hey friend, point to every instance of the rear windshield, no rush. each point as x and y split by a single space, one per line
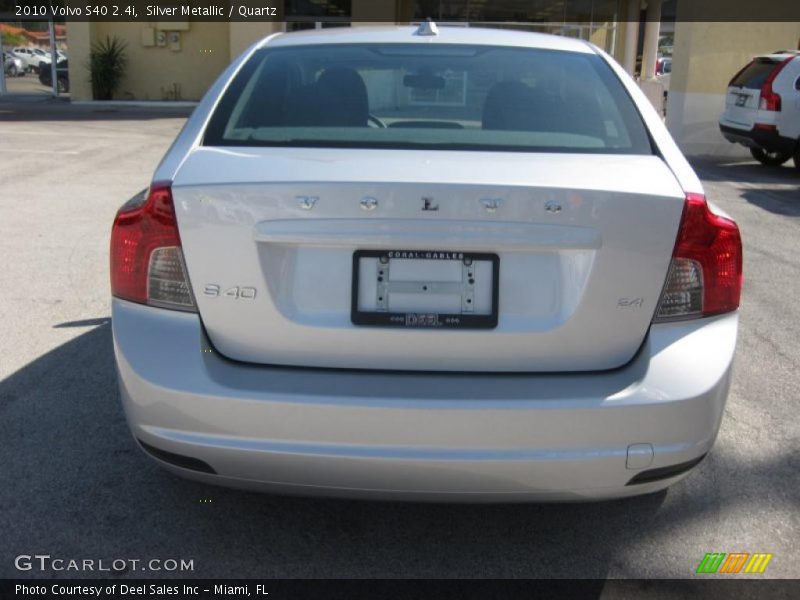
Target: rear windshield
448 97
753 75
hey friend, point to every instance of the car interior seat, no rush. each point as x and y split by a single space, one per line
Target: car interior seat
515 106
338 98
272 94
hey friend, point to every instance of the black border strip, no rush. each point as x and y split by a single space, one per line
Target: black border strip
398 320
698 586
498 11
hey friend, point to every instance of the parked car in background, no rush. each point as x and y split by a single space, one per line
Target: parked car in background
42 56
466 264
62 74
762 108
28 57
32 57
663 71
13 66
663 75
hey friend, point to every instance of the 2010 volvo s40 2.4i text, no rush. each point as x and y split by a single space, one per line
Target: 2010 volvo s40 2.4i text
460 264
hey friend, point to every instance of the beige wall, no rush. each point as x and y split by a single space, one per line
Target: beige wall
204 53
706 56
243 35
185 74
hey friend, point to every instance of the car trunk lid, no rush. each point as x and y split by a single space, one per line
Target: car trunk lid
583 244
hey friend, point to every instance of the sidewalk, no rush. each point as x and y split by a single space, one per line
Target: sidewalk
40 107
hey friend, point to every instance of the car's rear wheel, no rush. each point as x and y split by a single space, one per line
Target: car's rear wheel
771 159
12 71
796 159
63 85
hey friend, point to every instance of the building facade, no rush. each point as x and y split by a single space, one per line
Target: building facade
173 61
180 60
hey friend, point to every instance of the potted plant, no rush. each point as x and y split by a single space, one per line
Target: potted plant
107 64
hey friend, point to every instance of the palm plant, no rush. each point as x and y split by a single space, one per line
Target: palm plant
107 64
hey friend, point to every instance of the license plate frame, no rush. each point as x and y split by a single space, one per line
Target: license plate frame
434 320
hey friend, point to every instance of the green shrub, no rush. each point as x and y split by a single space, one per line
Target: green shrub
13 39
107 64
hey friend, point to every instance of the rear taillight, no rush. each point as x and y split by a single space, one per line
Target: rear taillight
705 276
769 99
147 263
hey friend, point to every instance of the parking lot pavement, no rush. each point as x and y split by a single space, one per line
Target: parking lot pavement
28 84
75 486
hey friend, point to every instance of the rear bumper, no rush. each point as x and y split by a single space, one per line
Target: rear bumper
769 140
422 436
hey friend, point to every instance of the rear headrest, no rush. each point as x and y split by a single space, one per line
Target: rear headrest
344 94
510 105
272 89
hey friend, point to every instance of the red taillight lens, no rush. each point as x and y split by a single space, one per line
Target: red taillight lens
146 257
705 276
769 99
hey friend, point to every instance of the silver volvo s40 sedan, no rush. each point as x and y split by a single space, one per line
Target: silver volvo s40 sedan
425 263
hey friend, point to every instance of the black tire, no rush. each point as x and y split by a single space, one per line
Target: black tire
62 85
770 159
796 159
12 71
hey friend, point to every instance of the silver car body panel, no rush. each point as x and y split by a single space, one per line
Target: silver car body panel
578 288
434 436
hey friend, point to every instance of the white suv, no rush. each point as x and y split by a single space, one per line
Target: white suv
27 56
32 57
762 109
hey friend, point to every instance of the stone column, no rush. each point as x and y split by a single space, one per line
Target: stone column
651 31
631 37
